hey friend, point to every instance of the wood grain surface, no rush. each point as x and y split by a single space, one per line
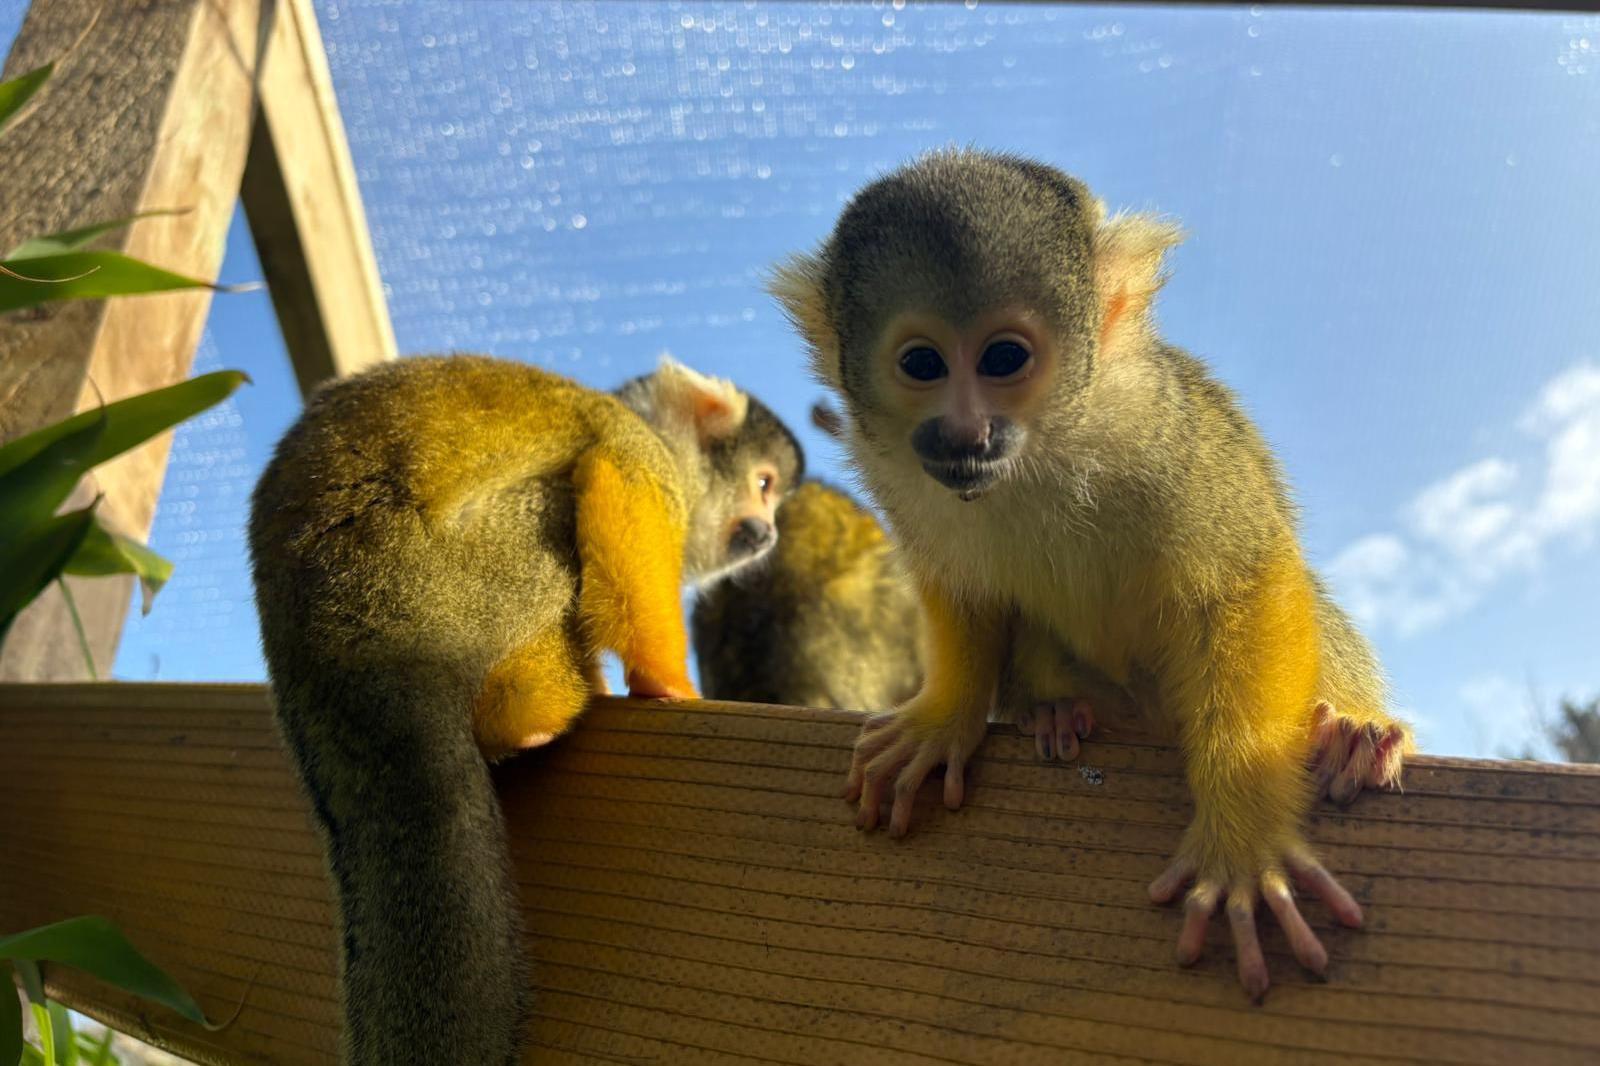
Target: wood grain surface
695 893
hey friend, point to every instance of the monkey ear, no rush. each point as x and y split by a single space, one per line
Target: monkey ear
713 406
825 418
1129 250
797 283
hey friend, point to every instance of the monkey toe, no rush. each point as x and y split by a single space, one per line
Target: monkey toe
1349 756
1056 726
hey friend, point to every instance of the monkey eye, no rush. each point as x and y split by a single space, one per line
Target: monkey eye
922 364
1002 359
766 482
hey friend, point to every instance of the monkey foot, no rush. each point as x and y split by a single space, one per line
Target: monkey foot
535 740
1348 756
1057 726
1242 896
644 685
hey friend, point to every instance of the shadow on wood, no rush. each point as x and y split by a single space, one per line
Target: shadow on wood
695 893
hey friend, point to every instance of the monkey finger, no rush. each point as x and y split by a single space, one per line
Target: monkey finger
870 803
876 773
1172 879
955 781
1052 725
1197 912
1246 944
1310 875
871 743
1320 723
906 784
1066 731
1083 719
875 723
1345 786
1302 941
1383 769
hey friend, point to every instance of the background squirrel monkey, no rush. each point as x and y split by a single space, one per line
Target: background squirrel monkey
442 548
829 619
1046 460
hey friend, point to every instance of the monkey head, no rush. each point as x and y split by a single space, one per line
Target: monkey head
739 459
960 309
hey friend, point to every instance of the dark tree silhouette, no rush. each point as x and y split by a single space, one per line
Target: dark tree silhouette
1576 731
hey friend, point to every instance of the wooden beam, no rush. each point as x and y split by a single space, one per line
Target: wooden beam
305 211
151 111
695 892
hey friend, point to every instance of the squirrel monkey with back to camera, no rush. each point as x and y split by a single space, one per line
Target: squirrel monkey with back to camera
1054 470
829 619
442 548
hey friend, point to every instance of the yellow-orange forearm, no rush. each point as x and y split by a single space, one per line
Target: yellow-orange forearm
965 653
1247 701
630 544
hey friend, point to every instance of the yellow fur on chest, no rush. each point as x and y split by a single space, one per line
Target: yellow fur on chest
1124 613
1095 604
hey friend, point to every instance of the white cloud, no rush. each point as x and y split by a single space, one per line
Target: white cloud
1502 716
1486 521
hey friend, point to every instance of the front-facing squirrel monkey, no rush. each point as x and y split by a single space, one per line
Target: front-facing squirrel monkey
1055 471
442 549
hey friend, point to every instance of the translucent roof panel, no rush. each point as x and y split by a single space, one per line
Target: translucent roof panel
1392 257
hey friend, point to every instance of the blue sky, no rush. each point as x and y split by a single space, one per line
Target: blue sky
1393 257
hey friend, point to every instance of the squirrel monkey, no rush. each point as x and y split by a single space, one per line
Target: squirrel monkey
1047 460
442 548
829 619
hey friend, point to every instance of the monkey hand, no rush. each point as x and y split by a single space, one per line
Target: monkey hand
899 749
1263 875
1348 755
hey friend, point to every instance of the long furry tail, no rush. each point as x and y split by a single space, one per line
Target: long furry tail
431 959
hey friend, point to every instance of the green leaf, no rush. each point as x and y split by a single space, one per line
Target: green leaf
104 552
31 561
31 491
66 1042
15 93
73 239
129 422
100 1050
47 1035
31 1056
10 1018
94 945
33 984
89 276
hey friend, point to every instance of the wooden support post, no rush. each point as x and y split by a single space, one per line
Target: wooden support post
152 110
158 108
305 211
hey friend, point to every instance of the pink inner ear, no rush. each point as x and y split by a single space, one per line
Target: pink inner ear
714 415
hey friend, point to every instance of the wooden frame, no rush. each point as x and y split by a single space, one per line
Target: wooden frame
694 890
695 893
157 108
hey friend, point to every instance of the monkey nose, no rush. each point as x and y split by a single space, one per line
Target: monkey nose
753 536
967 437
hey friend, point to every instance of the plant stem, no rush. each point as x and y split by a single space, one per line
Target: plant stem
77 623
